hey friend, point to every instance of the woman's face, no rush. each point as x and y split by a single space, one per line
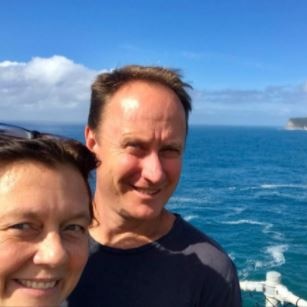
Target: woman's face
44 215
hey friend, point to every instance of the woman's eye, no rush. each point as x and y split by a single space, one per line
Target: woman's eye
76 228
21 226
24 230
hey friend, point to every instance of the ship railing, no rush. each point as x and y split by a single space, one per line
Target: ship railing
275 293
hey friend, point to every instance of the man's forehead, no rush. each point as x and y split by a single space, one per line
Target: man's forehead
135 87
132 105
129 104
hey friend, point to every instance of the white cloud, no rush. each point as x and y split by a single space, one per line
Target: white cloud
52 88
57 89
271 106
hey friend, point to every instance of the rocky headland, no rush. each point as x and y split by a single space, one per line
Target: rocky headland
297 123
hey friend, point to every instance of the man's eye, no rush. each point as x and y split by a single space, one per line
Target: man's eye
171 152
134 145
135 148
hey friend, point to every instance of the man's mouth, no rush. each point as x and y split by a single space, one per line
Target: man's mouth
148 191
37 284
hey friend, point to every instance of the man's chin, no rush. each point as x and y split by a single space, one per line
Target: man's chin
143 213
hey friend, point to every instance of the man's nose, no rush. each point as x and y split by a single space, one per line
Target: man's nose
51 251
153 168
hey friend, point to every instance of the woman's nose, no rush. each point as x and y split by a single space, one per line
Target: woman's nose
51 251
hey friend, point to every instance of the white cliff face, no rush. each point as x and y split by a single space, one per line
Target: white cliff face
299 123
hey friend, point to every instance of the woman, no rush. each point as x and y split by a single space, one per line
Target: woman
45 210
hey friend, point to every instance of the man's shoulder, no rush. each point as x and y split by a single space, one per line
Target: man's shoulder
189 234
189 240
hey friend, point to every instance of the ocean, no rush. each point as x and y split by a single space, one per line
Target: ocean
247 188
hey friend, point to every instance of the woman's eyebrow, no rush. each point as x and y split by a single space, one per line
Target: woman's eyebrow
36 215
80 216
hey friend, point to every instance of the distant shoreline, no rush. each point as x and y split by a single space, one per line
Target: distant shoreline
80 123
297 123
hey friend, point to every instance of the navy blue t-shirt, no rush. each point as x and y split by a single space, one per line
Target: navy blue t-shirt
184 268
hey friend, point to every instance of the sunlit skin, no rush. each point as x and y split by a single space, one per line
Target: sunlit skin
140 143
44 216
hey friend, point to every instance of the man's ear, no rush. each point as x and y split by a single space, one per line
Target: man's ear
90 139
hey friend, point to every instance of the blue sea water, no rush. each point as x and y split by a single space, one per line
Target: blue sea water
247 188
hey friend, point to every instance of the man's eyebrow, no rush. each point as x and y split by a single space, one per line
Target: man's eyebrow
133 139
175 144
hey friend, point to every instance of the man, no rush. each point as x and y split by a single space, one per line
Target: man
143 255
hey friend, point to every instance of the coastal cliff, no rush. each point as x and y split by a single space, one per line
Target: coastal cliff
298 123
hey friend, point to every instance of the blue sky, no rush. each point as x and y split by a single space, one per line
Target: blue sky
246 60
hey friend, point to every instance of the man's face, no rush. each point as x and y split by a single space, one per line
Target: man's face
140 144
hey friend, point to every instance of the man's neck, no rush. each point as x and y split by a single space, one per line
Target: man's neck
113 230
